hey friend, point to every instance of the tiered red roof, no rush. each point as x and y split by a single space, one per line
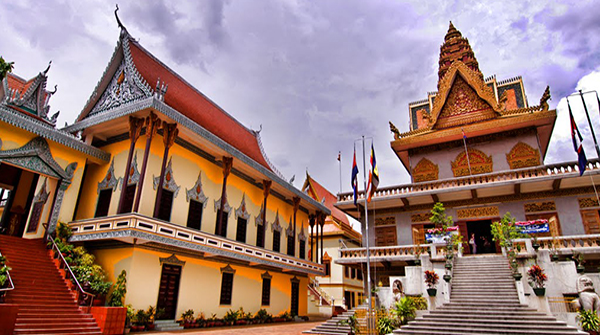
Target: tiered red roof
192 103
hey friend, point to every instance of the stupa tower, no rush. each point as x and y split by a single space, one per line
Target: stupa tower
455 48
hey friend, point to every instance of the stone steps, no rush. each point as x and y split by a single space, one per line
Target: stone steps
484 301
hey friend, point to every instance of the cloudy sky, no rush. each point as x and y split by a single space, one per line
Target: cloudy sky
317 75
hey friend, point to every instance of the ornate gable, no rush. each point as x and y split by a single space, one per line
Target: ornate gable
425 170
196 192
109 181
522 155
169 181
242 211
477 163
463 98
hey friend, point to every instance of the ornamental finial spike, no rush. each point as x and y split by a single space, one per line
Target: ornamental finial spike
48 68
119 21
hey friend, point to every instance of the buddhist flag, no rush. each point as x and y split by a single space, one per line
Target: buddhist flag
373 175
577 145
354 179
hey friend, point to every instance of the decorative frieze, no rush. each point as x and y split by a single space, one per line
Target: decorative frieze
546 206
172 260
169 181
276 226
110 180
477 163
522 155
425 170
196 192
387 221
242 211
480 212
420 217
588 202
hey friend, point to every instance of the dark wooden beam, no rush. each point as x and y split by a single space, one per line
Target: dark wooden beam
474 193
556 184
435 198
517 189
405 201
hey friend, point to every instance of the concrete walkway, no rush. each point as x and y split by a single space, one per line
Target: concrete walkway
286 328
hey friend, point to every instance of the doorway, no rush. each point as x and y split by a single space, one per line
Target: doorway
17 188
481 230
295 298
169 291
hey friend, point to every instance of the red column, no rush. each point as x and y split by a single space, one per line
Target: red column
152 125
227 165
296 201
170 133
135 127
266 190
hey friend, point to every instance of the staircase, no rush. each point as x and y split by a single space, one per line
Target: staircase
484 300
46 305
333 326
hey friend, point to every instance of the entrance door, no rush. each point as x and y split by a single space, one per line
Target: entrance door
295 296
17 187
169 290
482 233
348 299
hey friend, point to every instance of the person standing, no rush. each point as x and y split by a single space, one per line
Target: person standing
473 244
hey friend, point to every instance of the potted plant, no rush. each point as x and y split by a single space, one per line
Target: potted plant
418 251
188 318
579 259
352 322
431 280
447 278
263 316
589 321
128 319
3 276
537 277
231 317
404 310
150 314
535 244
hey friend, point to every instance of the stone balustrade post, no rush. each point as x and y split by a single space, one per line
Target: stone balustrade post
521 292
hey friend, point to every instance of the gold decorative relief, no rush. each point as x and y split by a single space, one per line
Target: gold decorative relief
462 104
491 211
420 217
587 202
478 163
522 155
425 170
546 206
390 220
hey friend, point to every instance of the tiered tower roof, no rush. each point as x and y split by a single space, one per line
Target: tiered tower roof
455 48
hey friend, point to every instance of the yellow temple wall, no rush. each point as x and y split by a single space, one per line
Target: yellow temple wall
186 167
200 283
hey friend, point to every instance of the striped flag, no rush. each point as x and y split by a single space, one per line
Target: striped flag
577 145
373 175
354 178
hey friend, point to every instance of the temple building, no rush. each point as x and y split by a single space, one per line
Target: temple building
156 179
342 286
477 146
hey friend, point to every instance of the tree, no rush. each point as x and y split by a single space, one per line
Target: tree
5 67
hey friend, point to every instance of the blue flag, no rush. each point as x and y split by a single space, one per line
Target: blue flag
354 179
577 145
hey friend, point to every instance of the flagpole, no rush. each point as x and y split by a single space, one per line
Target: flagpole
340 164
367 240
466 151
590 123
594 185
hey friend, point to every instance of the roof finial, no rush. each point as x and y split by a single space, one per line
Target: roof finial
119 21
452 32
48 68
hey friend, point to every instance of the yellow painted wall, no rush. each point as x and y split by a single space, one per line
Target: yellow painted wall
200 283
186 167
45 217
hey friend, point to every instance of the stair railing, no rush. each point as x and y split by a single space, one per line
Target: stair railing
314 284
83 298
10 287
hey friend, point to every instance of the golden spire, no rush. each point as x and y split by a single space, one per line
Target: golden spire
456 48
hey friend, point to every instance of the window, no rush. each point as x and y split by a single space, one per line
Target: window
346 271
128 201
165 205
302 251
353 273
385 236
240 234
224 217
290 245
276 241
103 202
327 264
36 214
591 221
260 236
359 275
266 292
194 219
226 288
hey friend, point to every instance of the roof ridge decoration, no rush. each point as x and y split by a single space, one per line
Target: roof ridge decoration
456 48
276 226
264 154
308 186
196 193
126 83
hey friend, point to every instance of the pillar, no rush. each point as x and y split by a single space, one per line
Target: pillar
266 190
170 133
135 128
296 201
152 125
227 164
322 223
311 222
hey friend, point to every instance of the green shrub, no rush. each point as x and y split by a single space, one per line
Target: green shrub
404 310
115 299
589 320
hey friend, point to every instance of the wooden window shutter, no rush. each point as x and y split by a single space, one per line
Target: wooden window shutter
591 221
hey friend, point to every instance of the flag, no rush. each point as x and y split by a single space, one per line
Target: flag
373 175
354 179
464 135
339 156
577 145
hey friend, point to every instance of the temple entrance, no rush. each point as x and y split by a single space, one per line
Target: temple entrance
295 297
17 188
169 291
481 231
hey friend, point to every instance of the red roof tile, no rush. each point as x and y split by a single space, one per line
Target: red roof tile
190 102
330 200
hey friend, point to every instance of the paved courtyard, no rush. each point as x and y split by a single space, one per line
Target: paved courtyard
292 328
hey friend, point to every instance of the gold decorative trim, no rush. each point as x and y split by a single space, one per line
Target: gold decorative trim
523 155
228 269
387 221
420 217
491 211
588 202
425 170
171 260
478 163
546 206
